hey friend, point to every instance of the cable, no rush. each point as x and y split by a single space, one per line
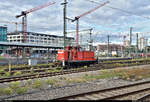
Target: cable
119 9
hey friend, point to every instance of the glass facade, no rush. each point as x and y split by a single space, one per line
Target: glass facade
3 34
3 37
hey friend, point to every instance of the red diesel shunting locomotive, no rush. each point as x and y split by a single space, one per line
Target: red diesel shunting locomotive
75 57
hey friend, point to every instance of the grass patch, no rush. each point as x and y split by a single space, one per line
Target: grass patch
37 84
107 74
7 74
69 80
6 91
2 57
76 80
51 81
56 70
28 83
79 80
21 90
133 73
14 85
104 74
127 74
59 68
49 70
85 67
2 70
18 73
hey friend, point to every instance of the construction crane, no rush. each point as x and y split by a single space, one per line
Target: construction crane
24 18
78 17
16 23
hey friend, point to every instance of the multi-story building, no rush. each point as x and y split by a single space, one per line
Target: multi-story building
142 43
38 38
3 37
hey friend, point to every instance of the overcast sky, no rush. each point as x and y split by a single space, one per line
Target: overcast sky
105 19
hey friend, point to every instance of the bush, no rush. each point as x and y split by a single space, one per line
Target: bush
48 71
69 80
2 70
37 75
15 85
7 74
139 78
17 73
59 68
51 81
57 85
21 90
37 84
29 82
62 78
56 70
7 91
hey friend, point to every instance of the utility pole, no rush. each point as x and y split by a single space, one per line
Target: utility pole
108 46
146 48
65 26
64 23
81 39
131 35
130 41
137 48
91 39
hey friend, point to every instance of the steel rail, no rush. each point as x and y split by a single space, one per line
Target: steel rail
103 91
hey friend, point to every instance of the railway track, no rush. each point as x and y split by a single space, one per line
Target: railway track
145 98
126 92
46 67
42 68
41 75
69 71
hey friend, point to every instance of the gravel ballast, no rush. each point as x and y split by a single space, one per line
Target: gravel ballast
72 89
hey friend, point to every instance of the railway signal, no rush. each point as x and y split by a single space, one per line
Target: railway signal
24 18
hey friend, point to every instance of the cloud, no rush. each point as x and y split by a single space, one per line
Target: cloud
50 19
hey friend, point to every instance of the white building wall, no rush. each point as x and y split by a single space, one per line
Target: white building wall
39 39
142 43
